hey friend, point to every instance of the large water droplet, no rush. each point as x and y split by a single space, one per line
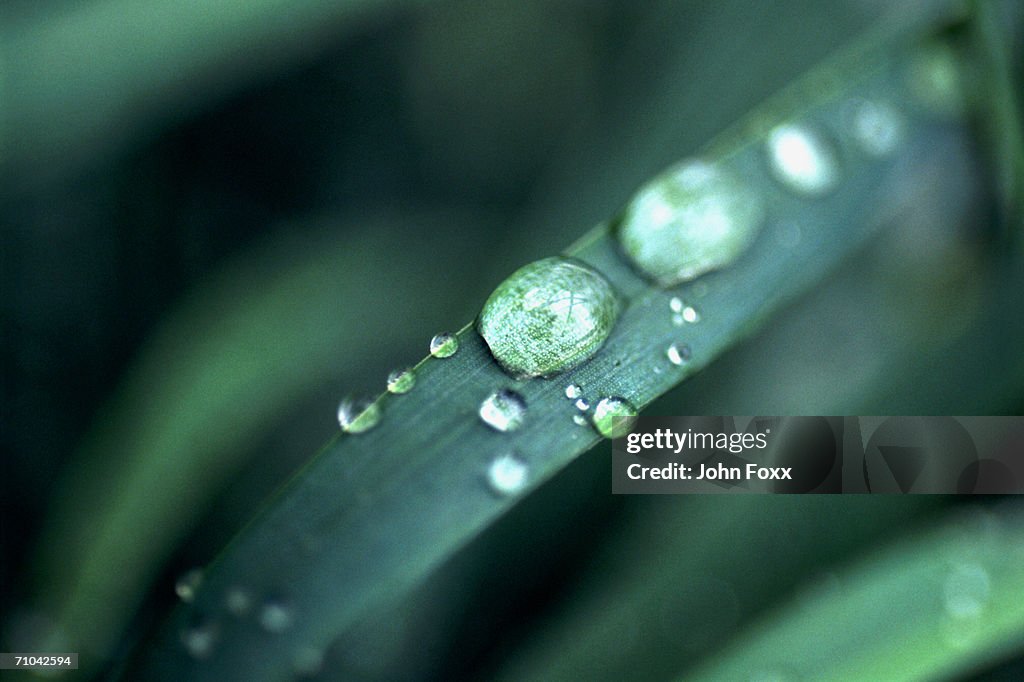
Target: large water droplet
276 616
693 218
548 316
507 474
188 584
200 639
877 128
504 410
678 354
614 417
802 160
966 590
356 415
401 380
444 345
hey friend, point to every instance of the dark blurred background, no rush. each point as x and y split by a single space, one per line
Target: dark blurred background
220 217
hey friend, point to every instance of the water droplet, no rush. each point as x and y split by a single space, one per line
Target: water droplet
188 584
877 127
444 345
966 590
579 419
401 380
802 160
582 404
200 639
507 474
682 313
614 417
678 354
504 410
573 391
308 661
693 218
238 601
548 316
276 616
356 415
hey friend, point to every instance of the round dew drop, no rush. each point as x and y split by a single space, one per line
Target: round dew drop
691 219
678 354
503 410
444 345
802 160
356 415
200 639
614 417
507 475
548 317
573 391
401 380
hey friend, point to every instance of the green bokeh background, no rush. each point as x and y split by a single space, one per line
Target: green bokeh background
219 218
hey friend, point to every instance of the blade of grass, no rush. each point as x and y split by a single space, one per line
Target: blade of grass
374 513
184 414
928 608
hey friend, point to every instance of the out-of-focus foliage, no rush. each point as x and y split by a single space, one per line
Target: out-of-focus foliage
219 217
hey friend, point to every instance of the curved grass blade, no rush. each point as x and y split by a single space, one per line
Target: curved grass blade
185 413
374 513
938 604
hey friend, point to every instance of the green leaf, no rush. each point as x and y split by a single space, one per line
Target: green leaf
377 512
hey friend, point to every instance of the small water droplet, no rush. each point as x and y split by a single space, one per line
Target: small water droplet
507 474
401 380
691 315
678 354
238 601
676 304
693 218
548 317
308 661
614 417
966 590
504 410
199 640
802 160
444 345
579 419
582 404
188 584
877 127
276 616
356 415
573 391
